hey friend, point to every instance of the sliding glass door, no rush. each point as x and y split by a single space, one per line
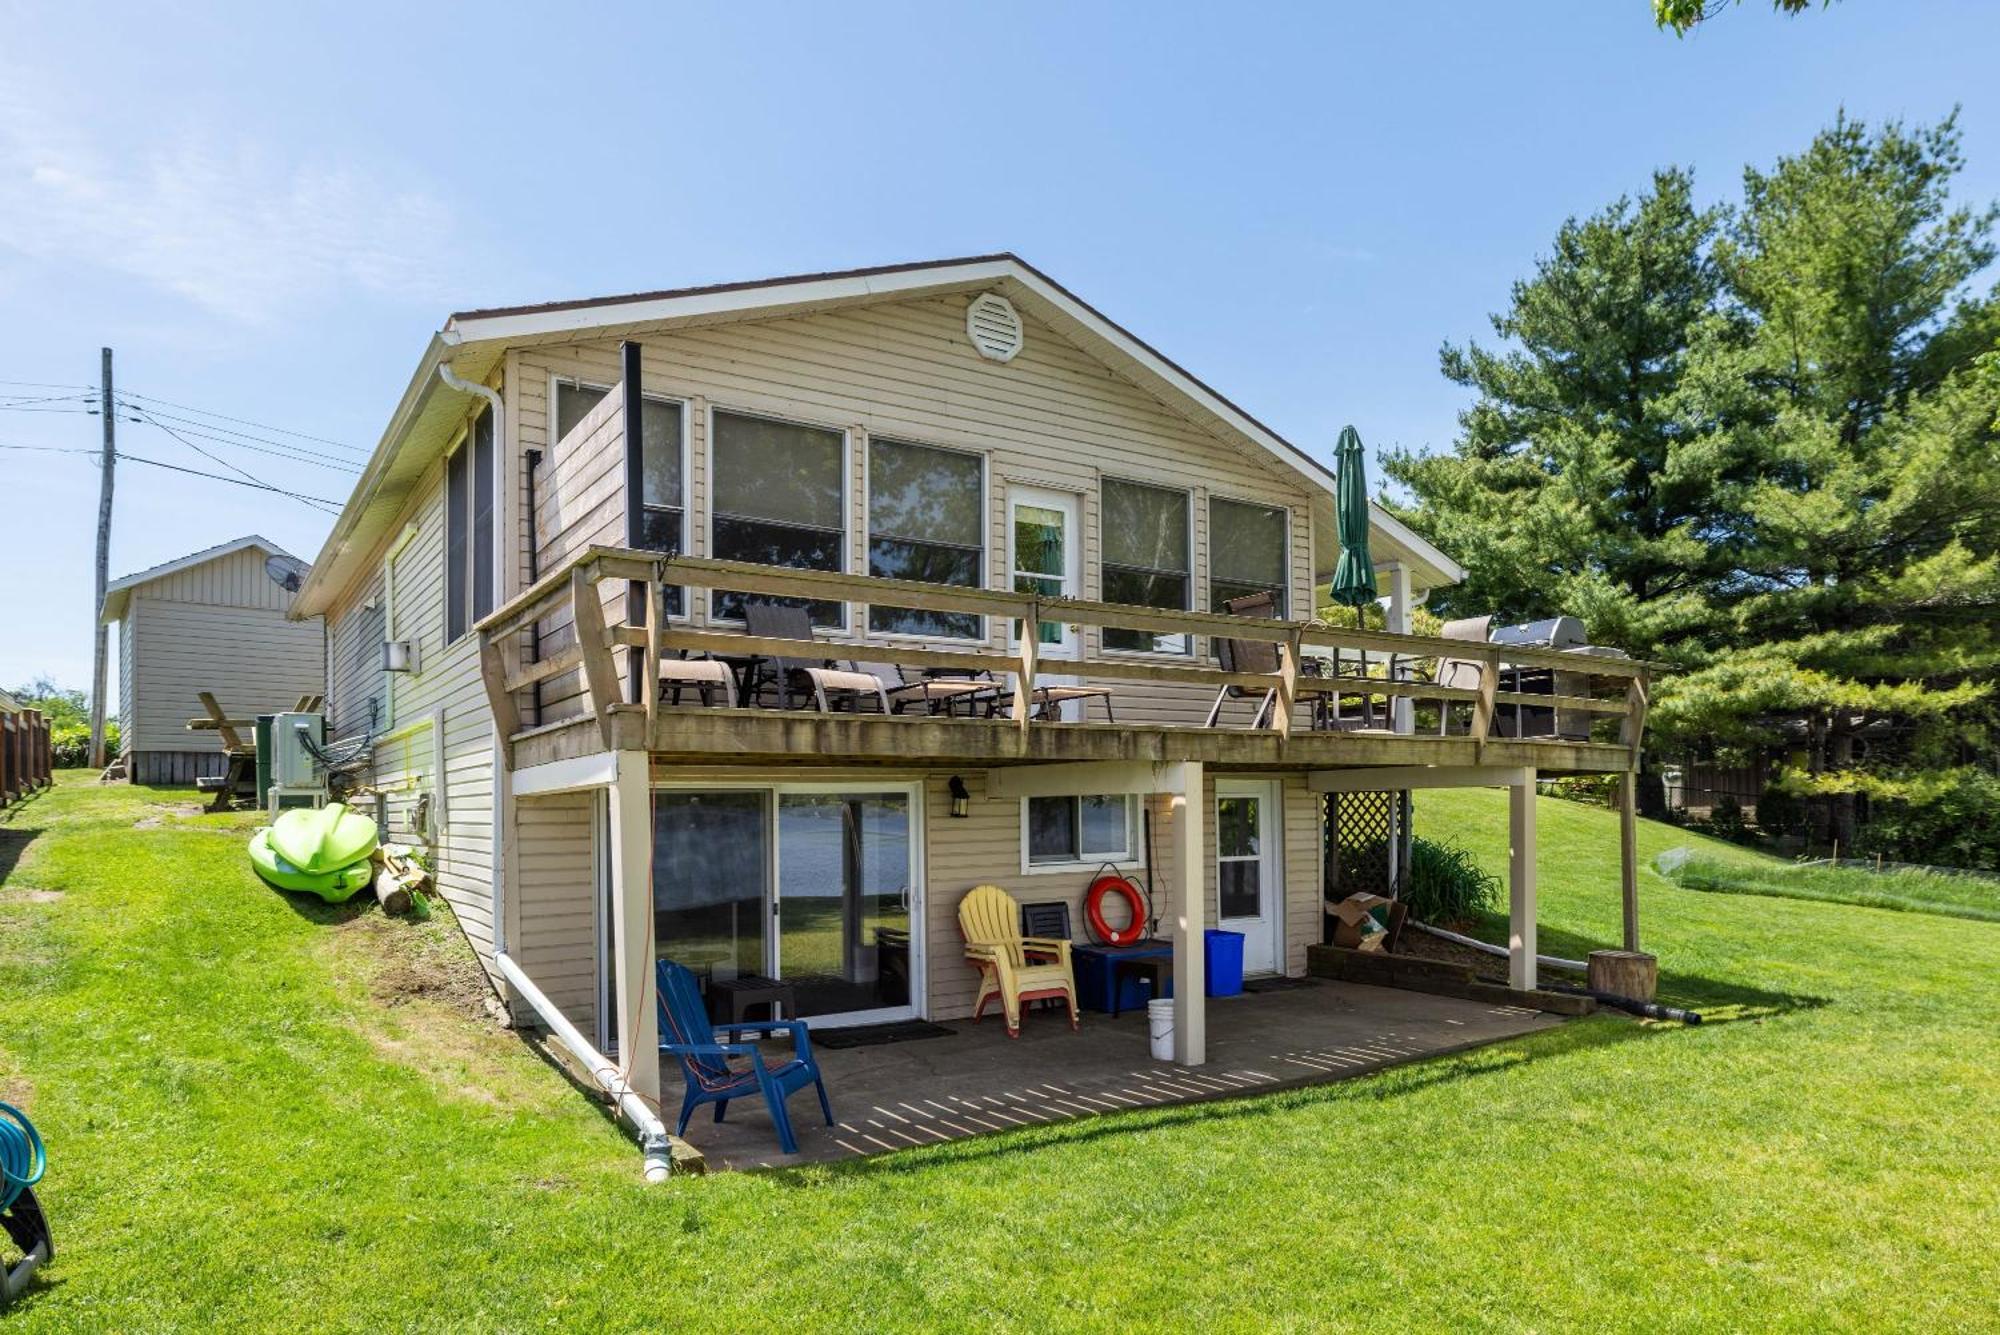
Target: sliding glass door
813 884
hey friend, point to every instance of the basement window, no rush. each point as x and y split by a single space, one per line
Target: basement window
1069 832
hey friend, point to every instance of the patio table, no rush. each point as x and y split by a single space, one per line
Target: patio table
1102 972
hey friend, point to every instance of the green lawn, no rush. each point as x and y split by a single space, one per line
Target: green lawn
1915 891
246 1134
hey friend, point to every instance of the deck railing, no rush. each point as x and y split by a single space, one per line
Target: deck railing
509 668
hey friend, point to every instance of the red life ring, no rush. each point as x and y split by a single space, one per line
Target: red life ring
1093 909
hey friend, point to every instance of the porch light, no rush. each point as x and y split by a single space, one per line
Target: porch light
961 800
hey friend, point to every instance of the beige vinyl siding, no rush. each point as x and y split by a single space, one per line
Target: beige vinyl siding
554 918
440 709
128 633
357 690
579 501
252 658
235 580
1053 418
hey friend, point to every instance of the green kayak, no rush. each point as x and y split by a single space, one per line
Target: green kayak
323 839
282 872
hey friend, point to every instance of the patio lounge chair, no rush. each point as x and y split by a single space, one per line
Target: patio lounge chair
939 692
1259 656
704 1054
821 680
1012 967
706 675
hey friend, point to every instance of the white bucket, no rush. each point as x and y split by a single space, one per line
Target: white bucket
1160 1023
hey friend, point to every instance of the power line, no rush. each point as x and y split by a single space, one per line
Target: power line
46 384
275 449
319 501
52 449
222 435
244 421
246 474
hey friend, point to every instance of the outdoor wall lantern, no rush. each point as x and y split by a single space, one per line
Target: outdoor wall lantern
961 801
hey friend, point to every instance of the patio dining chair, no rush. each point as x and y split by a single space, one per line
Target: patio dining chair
1459 673
818 680
704 675
1257 656
705 1052
1012 967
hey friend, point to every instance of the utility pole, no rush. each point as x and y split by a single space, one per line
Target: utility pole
110 462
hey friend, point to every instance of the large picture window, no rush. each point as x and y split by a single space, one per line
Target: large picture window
663 467
1246 545
1078 831
468 529
924 522
1146 559
778 498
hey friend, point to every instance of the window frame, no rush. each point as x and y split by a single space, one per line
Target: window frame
1186 650
864 622
1126 860
1208 572
467 440
846 502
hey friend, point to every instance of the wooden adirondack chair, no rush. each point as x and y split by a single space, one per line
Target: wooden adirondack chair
1012 967
704 1055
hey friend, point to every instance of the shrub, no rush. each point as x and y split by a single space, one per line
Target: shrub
1596 790
1780 812
1446 885
1948 818
1725 821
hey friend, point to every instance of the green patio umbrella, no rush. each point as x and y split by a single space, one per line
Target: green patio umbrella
1354 578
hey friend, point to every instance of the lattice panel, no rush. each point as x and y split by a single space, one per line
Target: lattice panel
1367 842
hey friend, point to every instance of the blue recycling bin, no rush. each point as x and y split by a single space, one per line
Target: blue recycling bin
1224 953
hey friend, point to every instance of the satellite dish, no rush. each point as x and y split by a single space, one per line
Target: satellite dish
284 572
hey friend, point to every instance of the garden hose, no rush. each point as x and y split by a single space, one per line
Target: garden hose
22 1157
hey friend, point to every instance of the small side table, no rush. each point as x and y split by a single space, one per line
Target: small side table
1157 970
730 999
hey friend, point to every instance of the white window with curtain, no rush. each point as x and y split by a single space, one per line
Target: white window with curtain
777 497
1147 559
1248 550
926 510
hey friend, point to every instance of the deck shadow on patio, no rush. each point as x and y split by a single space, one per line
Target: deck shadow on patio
978 1082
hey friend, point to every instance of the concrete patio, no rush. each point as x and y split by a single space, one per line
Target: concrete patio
977 1081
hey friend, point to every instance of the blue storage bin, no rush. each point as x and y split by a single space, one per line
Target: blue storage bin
1096 978
1224 951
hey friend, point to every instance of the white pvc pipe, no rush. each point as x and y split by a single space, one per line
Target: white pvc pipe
1553 961
653 1138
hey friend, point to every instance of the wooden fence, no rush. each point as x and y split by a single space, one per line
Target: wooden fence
27 759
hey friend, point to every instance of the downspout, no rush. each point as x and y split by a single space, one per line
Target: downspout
653 1138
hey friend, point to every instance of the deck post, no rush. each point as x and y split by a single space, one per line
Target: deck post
1628 853
1521 880
631 857
1402 709
1190 938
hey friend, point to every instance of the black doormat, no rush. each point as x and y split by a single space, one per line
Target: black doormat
1277 984
871 1035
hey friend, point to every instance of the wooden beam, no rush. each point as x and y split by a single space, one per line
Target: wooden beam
1024 672
1283 703
493 676
563 660
1634 729
1082 778
656 629
1396 778
1521 882
1482 706
599 675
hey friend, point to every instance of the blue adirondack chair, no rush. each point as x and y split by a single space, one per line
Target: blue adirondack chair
704 1053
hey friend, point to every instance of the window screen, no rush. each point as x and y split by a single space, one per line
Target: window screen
1146 558
778 499
924 524
1246 552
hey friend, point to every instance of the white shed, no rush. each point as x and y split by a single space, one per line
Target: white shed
216 620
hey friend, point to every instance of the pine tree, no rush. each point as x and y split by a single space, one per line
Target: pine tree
1761 445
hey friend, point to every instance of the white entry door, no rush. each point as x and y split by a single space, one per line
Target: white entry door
1249 874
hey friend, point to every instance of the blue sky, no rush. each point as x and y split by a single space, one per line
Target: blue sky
266 212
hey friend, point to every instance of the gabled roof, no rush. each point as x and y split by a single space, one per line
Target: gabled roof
473 341
119 591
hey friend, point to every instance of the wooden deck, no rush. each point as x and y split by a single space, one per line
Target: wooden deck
567 608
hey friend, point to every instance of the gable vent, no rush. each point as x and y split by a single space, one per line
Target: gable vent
994 327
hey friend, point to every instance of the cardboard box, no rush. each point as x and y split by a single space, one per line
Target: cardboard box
1354 926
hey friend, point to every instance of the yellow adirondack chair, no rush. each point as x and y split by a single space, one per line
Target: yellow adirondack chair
1012 967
